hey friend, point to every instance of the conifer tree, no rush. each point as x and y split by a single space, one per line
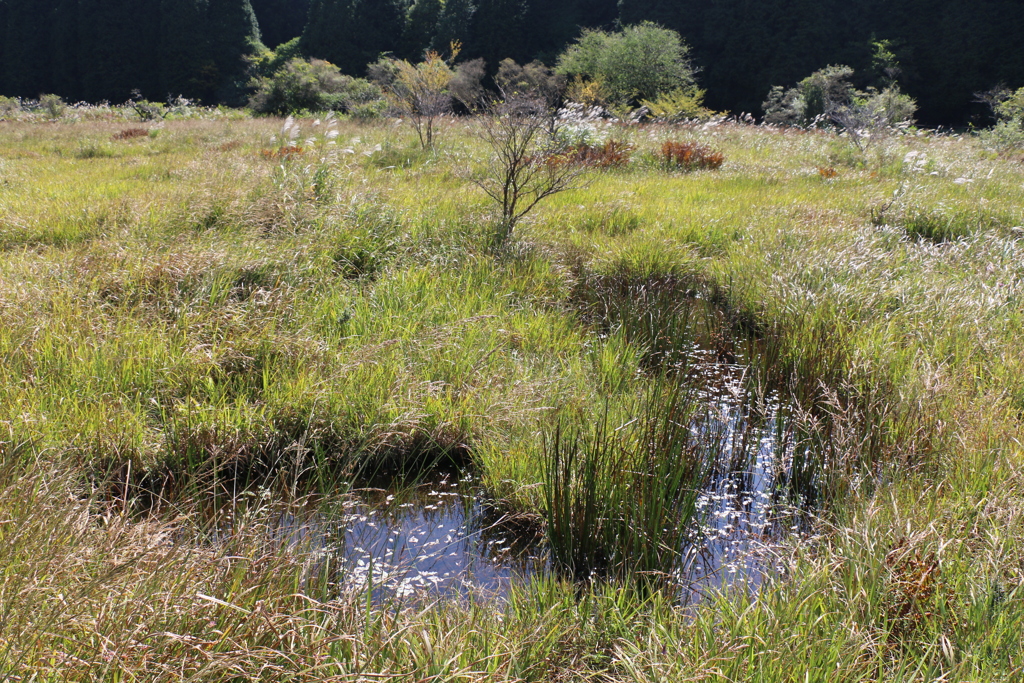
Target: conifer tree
280 20
353 33
3 47
117 48
233 33
499 31
420 27
186 68
26 47
65 70
454 24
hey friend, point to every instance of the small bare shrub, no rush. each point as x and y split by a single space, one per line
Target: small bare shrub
522 170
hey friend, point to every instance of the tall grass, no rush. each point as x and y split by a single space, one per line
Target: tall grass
180 307
620 499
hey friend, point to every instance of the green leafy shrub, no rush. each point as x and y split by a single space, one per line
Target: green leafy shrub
641 62
53 105
679 105
828 97
1008 133
9 106
313 86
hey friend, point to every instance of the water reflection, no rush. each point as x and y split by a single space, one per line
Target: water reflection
444 536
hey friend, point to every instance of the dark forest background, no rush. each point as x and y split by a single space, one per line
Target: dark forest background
97 50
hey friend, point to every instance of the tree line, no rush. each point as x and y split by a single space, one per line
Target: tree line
105 49
97 50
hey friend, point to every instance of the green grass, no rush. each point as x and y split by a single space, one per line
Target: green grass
180 308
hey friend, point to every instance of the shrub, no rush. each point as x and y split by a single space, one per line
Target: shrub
828 98
641 62
53 105
809 101
690 156
129 133
422 92
314 86
588 92
9 106
533 80
144 109
1008 108
610 154
426 91
520 173
679 105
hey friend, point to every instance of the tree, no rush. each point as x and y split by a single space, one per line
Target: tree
499 31
524 168
353 33
185 65
118 49
639 62
66 72
26 47
423 92
233 34
454 24
280 20
420 27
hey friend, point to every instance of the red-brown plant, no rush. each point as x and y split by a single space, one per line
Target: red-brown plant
690 156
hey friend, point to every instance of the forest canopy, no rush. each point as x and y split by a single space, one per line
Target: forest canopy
104 50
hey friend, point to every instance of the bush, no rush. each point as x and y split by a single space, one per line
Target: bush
679 105
315 86
426 91
690 156
1008 133
9 106
53 105
828 97
610 154
641 62
808 102
533 80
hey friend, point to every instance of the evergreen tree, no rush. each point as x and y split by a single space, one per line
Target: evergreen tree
454 24
499 32
66 72
353 33
233 33
26 47
3 48
186 67
280 20
420 27
117 49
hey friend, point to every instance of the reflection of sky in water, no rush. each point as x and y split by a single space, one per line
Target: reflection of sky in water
742 521
439 538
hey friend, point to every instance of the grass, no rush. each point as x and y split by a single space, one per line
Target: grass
180 312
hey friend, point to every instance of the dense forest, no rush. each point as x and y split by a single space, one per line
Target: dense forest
106 49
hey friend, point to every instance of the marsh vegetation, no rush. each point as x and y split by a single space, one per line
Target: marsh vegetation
225 338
